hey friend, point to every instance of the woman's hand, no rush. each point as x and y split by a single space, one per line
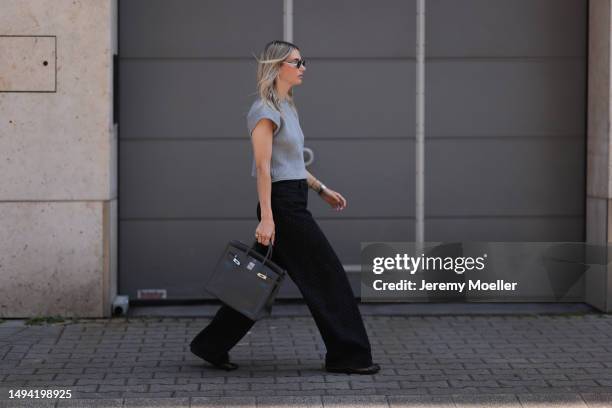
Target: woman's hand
334 199
264 233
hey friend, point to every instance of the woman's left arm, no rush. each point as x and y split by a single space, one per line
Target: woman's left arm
333 198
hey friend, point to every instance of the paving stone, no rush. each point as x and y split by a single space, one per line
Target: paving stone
597 400
374 401
552 400
419 401
487 401
27 403
157 402
290 402
421 356
90 403
222 402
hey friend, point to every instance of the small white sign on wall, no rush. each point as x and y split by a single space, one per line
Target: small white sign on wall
151 294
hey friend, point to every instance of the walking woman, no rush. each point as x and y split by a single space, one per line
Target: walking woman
300 247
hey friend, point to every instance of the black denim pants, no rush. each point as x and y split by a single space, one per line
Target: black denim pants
301 248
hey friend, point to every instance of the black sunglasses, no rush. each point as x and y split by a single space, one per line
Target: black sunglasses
297 62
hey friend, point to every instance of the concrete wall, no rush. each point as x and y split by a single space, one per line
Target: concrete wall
58 192
599 142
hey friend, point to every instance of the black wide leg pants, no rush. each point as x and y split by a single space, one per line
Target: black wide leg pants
301 248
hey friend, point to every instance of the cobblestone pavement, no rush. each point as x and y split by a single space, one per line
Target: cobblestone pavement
427 361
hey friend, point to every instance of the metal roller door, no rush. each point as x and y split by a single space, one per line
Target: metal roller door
506 120
505 125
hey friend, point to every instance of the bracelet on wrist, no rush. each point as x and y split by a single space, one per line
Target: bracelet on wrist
322 188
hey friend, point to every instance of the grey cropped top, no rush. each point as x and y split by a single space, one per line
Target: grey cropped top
287 161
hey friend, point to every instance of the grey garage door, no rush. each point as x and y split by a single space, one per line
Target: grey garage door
505 125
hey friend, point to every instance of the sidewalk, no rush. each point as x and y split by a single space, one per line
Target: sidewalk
462 356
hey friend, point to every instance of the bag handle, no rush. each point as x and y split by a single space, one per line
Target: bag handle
268 253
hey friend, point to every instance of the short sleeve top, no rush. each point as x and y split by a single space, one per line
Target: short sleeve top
287 161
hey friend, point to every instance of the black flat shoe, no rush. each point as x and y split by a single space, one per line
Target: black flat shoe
373 369
224 365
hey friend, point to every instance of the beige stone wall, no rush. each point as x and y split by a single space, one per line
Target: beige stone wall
58 208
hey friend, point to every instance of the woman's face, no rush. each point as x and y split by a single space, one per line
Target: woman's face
290 73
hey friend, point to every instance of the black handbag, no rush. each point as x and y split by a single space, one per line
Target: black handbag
245 280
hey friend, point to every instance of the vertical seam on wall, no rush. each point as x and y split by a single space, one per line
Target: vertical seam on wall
118 163
607 289
420 124
288 20
106 254
609 50
585 235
